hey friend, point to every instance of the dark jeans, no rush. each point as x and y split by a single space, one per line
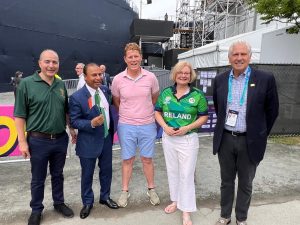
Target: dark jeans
234 159
43 151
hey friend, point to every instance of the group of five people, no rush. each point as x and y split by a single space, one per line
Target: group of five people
245 101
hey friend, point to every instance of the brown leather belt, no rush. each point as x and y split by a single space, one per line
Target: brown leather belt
234 133
44 135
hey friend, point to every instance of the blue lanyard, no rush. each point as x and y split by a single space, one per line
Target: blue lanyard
248 71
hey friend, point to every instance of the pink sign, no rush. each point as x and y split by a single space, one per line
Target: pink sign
8 132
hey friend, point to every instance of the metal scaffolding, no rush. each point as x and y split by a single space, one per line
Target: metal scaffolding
199 22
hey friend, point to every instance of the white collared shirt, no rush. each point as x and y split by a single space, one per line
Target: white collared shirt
103 102
81 81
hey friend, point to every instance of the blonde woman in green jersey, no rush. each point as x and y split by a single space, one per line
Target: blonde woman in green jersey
180 111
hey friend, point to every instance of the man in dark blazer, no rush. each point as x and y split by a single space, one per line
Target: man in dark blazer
92 119
246 104
105 76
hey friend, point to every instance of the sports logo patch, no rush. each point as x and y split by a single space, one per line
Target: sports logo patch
62 93
191 100
167 100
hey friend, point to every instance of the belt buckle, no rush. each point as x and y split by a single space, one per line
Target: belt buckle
52 136
232 133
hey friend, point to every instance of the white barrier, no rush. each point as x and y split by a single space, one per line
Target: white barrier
71 85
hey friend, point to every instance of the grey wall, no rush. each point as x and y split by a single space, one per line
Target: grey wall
278 47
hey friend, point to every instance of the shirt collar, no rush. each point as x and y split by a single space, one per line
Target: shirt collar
92 90
242 75
141 74
37 77
173 88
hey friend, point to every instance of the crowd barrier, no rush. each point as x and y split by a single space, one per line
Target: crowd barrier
71 85
162 77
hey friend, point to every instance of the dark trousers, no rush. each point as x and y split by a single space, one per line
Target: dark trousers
43 151
105 174
234 159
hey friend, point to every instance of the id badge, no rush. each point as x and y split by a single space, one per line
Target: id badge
231 118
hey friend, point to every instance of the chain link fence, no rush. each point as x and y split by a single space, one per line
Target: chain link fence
288 85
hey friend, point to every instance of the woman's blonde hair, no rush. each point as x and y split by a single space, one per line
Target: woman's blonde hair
177 69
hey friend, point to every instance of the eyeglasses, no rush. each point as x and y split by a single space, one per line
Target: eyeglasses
181 73
78 68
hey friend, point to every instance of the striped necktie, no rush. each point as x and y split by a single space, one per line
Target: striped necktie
97 102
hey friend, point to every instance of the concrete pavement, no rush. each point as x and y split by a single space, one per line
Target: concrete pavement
276 192
276 195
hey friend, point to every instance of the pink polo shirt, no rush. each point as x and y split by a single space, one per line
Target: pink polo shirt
136 106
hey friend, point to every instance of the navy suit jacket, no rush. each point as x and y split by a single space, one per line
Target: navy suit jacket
261 113
106 76
89 140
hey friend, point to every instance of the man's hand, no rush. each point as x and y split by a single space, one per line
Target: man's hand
73 135
97 121
24 149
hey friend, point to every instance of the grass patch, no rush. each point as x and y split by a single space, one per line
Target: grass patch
286 140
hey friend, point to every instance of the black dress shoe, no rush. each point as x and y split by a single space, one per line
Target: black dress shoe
85 211
64 210
35 219
109 203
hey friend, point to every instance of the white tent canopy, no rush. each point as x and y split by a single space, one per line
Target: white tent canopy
216 54
279 47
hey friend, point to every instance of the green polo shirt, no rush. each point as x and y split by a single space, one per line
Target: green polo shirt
44 107
184 111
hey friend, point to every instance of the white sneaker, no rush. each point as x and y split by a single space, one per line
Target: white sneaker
241 222
223 221
123 200
153 197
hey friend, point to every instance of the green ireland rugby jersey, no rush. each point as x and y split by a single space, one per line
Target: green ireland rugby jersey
183 111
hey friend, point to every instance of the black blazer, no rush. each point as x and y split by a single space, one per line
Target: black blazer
261 113
106 76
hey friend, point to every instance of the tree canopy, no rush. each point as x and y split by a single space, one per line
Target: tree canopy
286 11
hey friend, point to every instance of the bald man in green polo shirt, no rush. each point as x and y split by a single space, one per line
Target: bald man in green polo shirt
42 106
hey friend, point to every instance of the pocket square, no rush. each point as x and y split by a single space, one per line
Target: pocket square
90 102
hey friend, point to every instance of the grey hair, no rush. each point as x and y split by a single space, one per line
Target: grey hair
103 66
48 50
239 42
81 64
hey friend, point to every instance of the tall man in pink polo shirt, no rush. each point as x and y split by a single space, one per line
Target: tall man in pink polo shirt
135 91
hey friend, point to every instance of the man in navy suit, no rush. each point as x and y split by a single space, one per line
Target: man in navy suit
246 104
90 114
105 76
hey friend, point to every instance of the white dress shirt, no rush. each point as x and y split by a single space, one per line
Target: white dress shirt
103 102
81 81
